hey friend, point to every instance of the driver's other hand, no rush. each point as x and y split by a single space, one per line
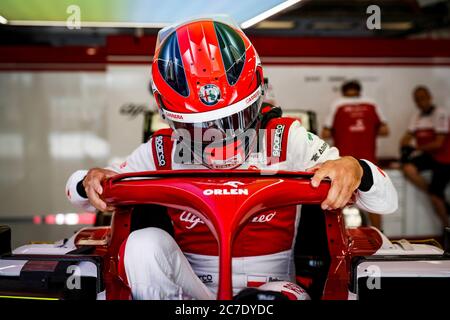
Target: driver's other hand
345 174
93 185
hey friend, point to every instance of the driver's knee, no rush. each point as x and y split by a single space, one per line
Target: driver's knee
145 244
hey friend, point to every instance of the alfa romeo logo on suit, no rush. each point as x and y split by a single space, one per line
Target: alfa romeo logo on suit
209 94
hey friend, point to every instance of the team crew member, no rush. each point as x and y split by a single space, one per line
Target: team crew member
354 123
429 129
208 77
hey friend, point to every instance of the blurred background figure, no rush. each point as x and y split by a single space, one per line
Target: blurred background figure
354 123
269 96
426 146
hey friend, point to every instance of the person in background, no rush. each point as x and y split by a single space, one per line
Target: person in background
429 129
354 123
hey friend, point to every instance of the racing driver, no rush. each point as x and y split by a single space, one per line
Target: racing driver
208 83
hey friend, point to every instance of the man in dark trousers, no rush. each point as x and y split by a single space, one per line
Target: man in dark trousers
429 131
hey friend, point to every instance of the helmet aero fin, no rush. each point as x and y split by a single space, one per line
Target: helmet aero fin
232 49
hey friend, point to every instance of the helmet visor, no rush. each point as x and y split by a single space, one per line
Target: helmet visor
219 130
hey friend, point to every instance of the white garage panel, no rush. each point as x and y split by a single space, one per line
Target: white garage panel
50 124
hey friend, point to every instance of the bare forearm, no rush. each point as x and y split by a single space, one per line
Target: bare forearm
406 140
326 133
383 131
430 147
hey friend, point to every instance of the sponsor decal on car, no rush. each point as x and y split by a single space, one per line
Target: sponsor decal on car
191 219
264 217
227 191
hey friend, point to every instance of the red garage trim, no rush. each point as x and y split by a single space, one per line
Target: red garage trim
306 47
350 47
309 51
39 58
312 61
273 51
41 54
75 67
357 61
131 46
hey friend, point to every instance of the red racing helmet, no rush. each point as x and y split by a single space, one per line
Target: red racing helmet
208 83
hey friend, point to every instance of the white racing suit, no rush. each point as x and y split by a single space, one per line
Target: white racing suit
159 267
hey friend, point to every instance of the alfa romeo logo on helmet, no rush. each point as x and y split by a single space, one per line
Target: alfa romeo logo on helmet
209 94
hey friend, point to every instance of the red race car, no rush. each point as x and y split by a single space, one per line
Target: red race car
332 261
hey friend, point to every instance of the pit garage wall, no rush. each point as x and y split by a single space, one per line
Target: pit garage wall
57 117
